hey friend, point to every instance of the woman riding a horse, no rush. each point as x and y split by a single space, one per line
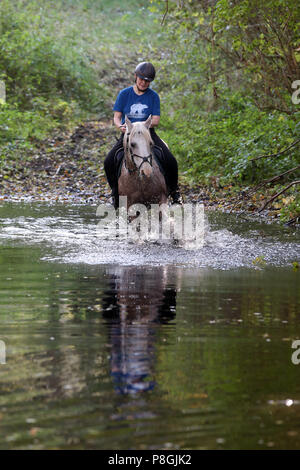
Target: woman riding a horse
137 103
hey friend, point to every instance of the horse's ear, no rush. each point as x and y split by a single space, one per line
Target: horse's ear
148 122
128 124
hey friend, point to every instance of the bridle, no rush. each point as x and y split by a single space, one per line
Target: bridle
148 159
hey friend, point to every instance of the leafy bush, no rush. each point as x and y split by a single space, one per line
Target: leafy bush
221 143
36 63
226 88
290 206
49 81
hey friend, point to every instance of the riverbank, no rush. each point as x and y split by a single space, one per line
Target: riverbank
69 167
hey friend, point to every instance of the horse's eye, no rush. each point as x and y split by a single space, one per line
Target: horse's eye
133 144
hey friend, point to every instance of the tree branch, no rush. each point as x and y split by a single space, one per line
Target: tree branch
246 195
166 12
278 194
277 154
293 220
271 180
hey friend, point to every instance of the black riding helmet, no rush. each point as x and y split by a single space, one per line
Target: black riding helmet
146 71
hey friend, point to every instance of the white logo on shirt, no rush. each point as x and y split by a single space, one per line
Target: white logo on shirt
136 110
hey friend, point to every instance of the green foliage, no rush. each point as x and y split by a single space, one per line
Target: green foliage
49 77
221 143
259 261
66 60
247 41
35 123
290 206
295 266
20 125
35 62
62 62
226 90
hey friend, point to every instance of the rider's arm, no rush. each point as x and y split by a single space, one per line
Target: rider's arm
155 121
118 121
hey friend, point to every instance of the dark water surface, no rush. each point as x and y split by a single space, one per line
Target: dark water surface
114 345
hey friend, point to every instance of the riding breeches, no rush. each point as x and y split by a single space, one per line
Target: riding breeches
168 162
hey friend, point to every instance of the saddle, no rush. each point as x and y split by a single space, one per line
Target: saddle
158 155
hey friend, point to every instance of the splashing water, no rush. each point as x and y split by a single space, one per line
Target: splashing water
70 235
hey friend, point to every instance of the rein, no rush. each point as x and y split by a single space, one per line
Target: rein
148 159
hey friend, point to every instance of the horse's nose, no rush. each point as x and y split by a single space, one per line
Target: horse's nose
146 170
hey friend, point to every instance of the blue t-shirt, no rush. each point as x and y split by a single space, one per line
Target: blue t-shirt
137 107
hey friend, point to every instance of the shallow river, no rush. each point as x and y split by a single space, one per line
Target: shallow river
109 344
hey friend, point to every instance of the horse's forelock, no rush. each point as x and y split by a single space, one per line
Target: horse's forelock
140 127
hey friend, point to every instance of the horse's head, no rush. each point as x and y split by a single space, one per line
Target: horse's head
138 146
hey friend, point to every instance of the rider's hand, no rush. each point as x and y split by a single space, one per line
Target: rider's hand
123 128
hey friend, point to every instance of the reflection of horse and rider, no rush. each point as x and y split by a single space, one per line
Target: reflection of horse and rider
137 303
137 103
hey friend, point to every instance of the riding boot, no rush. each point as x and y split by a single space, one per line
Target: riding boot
115 198
176 197
114 202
